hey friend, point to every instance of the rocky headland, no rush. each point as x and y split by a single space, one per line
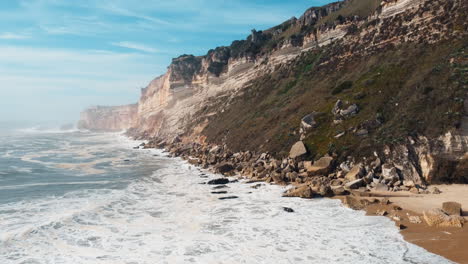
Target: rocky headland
361 100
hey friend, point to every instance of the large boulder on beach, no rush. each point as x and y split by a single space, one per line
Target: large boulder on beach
355 173
297 150
452 208
303 191
224 168
321 166
356 184
437 218
353 203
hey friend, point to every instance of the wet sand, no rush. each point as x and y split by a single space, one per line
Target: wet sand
449 242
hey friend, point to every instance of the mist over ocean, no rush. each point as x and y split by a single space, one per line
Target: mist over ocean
81 197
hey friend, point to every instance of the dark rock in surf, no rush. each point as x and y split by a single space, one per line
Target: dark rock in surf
228 198
220 187
287 209
219 181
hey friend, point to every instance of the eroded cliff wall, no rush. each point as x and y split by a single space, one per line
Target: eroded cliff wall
398 62
108 118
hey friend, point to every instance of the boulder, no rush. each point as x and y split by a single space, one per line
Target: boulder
381 212
194 161
437 218
219 181
338 190
452 208
336 182
224 168
337 108
303 191
321 166
389 172
356 184
410 184
350 111
353 203
355 173
287 209
325 191
308 121
297 150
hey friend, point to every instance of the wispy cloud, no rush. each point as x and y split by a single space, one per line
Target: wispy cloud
135 46
9 35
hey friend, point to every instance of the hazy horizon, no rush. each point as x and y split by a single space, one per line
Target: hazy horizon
58 57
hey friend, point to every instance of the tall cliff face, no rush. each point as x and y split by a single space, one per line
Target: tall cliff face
108 118
392 59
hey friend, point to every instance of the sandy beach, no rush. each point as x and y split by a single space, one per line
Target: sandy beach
449 242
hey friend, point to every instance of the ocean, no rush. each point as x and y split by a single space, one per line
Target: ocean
82 197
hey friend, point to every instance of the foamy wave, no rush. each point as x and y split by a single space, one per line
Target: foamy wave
44 130
170 217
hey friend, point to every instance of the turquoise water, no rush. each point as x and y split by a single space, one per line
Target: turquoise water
80 197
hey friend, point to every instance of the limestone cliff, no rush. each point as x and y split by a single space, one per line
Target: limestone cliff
398 62
108 118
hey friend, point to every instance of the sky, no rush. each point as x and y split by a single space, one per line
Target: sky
58 57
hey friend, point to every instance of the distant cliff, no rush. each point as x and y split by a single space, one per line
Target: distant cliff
379 78
108 118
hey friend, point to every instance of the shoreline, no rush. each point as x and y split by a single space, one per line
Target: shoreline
448 242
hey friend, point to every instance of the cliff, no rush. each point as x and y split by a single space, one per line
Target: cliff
382 79
108 118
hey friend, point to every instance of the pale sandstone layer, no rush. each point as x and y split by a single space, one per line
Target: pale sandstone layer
108 118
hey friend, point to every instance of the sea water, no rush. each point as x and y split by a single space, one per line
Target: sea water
81 197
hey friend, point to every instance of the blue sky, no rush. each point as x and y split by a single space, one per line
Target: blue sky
60 56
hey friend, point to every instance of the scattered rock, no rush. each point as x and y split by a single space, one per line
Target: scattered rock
228 198
220 187
396 218
362 132
297 150
415 219
320 166
355 173
356 184
437 218
218 181
194 161
435 190
308 121
381 212
402 227
409 184
224 168
452 208
287 209
339 190
389 171
303 191
350 111
353 203
385 201
340 134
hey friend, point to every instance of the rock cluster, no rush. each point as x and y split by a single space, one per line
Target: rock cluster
323 177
